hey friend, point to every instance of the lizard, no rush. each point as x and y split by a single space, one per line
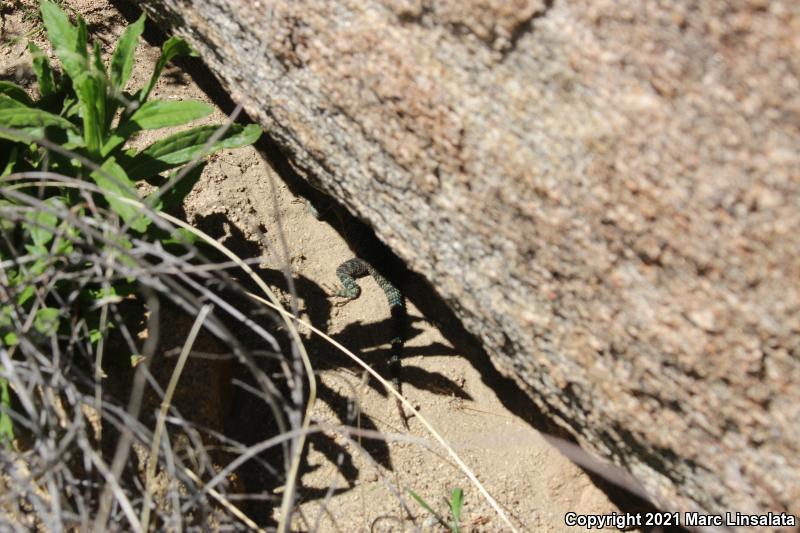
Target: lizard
347 273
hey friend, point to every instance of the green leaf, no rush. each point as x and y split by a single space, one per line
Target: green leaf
60 32
427 507
12 90
25 294
63 245
44 74
117 137
116 184
73 141
38 267
10 339
172 48
30 121
6 427
103 292
122 59
7 223
98 57
15 115
40 225
166 113
6 312
71 107
181 236
118 247
174 196
11 155
186 146
7 102
90 89
456 504
68 41
83 37
46 320
157 114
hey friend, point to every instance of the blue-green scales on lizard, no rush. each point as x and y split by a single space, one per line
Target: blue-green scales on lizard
347 273
355 268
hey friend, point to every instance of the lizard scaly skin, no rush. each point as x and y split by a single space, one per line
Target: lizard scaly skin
347 273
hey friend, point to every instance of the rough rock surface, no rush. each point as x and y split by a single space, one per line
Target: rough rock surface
605 192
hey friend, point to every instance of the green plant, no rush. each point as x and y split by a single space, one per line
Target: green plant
455 505
80 127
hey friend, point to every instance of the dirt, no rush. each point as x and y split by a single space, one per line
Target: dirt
240 196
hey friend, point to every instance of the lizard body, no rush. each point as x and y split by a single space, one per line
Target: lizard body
347 273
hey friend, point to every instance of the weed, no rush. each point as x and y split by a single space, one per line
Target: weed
80 127
455 505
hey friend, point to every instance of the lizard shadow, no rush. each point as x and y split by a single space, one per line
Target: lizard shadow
365 340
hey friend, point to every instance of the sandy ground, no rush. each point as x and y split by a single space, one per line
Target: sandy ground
445 373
